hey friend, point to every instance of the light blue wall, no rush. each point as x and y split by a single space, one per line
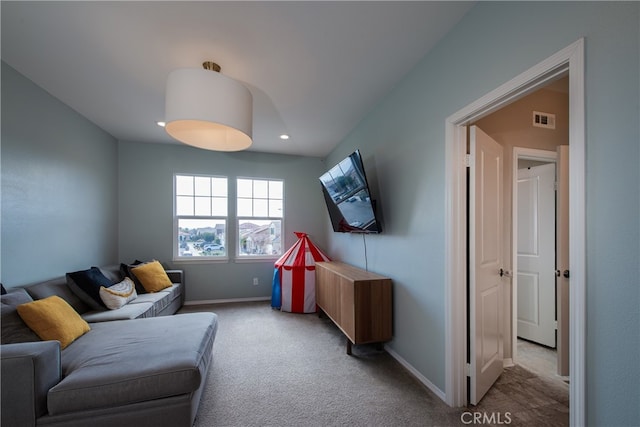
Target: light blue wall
72 197
402 142
146 210
59 201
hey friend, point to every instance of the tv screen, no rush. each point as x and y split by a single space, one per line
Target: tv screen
348 198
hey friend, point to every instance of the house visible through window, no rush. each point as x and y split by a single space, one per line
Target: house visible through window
260 211
201 206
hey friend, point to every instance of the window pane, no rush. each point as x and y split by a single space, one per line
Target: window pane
275 208
259 237
201 237
219 187
245 207
260 208
260 189
259 198
184 185
275 190
184 205
204 236
245 188
203 206
202 186
219 206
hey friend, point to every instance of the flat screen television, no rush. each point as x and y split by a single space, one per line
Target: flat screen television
348 198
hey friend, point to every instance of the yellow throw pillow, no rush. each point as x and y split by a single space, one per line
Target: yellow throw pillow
53 318
152 276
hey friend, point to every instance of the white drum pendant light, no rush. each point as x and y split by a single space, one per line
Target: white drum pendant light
208 110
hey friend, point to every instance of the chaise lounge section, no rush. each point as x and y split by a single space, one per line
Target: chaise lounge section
146 369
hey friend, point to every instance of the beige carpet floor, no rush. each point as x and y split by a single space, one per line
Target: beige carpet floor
272 368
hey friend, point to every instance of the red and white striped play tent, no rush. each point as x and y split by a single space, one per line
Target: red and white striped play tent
294 278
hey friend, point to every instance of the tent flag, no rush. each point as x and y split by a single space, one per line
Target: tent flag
294 277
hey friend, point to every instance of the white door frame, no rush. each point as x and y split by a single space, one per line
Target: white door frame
569 59
525 154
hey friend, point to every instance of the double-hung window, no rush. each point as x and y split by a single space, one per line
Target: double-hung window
260 214
200 217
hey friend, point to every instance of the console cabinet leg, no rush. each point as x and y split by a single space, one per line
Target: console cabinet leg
348 347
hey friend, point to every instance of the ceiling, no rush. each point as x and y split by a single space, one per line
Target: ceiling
315 69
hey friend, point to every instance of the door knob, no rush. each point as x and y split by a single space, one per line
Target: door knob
504 273
566 274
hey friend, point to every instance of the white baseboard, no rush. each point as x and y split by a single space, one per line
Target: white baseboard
507 362
431 386
222 301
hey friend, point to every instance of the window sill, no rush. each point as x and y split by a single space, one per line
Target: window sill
201 260
269 259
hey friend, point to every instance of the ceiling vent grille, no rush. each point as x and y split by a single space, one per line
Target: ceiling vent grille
544 120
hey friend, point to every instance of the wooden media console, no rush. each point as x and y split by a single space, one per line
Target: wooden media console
357 301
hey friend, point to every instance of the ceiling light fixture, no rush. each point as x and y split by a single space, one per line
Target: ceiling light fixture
208 110
284 136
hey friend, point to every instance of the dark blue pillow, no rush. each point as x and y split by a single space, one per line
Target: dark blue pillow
126 270
4 291
86 285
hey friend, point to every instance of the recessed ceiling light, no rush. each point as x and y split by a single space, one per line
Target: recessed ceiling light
161 124
284 136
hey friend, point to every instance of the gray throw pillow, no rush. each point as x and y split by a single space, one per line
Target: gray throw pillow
14 330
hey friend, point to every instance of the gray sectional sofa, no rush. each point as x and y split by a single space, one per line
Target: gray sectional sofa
163 303
139 365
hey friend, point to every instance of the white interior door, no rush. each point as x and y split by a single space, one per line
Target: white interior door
536 254
486 339
562 258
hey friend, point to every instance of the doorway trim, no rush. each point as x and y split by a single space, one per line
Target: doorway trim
524 154
569 59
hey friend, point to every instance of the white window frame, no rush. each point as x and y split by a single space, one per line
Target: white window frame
258 258
176 218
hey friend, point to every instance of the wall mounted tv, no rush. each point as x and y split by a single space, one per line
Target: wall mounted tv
348 198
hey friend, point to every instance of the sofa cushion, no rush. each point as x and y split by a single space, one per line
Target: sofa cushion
163 299
119 294
86 284
159 300
129 311
14 330
175 290
130 361
152 276
53 318
60 288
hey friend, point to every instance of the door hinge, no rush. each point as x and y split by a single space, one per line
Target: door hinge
555 324
467 369
467 160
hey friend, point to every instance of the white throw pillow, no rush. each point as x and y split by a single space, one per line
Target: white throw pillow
117 295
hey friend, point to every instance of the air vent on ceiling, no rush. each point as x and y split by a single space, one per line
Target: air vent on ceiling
544 120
